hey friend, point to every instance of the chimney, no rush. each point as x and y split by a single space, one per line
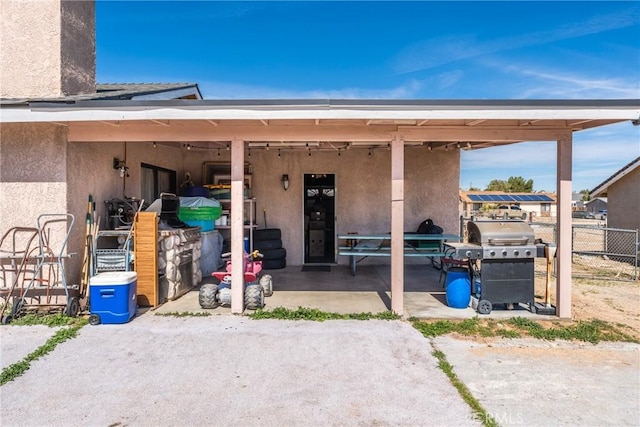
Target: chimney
47 48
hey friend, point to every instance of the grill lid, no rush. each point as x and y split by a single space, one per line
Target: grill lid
500 233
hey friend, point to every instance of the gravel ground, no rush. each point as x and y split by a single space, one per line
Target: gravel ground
233 371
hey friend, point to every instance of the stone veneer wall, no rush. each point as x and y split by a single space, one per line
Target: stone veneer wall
172 245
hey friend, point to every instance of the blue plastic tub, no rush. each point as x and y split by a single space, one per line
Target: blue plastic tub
112 297
204 224
458 286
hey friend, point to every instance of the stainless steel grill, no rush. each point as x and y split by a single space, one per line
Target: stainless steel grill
507 252
498 240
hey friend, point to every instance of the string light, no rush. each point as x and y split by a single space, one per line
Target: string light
218 152
369 151
278 153
155 145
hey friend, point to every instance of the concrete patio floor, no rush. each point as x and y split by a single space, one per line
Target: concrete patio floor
368 291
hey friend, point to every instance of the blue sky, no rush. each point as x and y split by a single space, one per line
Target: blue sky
396 50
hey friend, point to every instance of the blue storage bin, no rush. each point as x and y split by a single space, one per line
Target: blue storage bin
112 297
204 224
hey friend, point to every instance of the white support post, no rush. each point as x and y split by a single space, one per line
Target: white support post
237 227
397 225
563 254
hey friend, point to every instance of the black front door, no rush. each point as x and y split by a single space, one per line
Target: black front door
319 219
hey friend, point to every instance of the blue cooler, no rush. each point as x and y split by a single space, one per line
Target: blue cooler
112 297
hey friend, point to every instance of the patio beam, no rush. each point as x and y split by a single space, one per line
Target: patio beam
203 131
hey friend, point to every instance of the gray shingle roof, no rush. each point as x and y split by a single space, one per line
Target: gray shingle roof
123 91
602 188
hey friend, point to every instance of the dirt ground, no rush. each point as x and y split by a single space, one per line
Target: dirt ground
609 299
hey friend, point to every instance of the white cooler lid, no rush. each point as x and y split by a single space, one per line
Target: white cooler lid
114 278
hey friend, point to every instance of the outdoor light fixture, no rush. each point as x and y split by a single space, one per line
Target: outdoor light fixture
121 166
285 182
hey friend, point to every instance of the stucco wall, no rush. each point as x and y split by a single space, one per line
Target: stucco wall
91 172
78 47
33 162
362 195
624 202
41 173
32 174
33 35
362 182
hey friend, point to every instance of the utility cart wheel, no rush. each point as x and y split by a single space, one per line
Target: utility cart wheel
73 307
7 319
94 319
18 304
484 306
266 282
254 296
207 295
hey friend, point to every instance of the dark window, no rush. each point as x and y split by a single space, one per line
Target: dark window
156 180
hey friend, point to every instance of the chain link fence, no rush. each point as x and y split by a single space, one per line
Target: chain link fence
598 252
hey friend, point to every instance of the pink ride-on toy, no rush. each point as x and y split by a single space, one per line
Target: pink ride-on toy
256 288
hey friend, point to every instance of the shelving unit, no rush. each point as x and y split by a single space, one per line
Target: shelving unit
249 218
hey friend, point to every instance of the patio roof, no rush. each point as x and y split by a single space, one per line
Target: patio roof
437 124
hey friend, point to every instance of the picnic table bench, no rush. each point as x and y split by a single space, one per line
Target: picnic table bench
360 246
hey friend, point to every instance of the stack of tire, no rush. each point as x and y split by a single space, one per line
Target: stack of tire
269 242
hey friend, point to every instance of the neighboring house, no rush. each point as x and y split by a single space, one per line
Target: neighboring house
576 201
596 205
622 190
483 203
387 164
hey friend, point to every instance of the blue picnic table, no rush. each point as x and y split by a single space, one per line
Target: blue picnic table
360 246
